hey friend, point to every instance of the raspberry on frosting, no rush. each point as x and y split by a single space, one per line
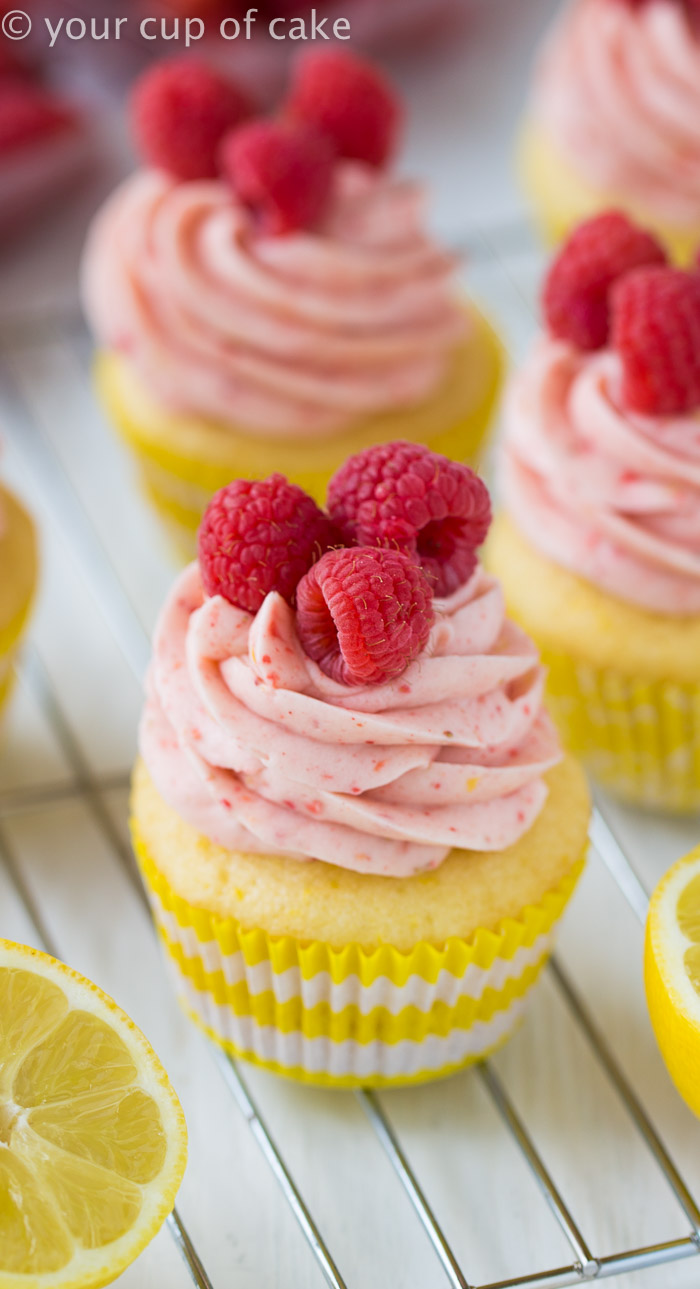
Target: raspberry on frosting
283 171
656 333
576 296
404 496
350 101
258 537
364 614
180 111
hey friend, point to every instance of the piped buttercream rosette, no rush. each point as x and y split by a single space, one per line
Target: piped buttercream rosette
253 745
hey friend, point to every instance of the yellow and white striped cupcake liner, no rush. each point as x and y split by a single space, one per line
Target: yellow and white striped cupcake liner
639 738
349 1017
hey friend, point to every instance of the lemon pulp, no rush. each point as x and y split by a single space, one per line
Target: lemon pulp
92 1138
672 973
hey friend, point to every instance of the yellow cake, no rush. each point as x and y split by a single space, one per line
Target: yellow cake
184 460
561 199
18 577
623 684
269 954
468 893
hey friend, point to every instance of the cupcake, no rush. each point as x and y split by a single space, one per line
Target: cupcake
351 811
271 298
598 545
614 119
18 577
43 147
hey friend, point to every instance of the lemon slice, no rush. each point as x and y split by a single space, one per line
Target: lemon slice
93 1143
672 973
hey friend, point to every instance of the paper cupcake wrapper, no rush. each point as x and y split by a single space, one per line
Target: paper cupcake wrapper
640 738
349 1017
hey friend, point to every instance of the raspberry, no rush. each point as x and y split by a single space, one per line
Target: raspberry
180 112
403 495
28 114
282 171
350 101
258 537
363 614
577 288
656 332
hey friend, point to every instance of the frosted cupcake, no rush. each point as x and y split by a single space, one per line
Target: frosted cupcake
274 299
351 811
614 119
44 147
18 577
598 547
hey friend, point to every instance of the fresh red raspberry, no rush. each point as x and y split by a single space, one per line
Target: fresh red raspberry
258 537
363 614
577 288
28 114
350 101
282 171
403 495
180 111
656 332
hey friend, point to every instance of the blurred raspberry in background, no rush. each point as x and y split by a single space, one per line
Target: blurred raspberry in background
44 145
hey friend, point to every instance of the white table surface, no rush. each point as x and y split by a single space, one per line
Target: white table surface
66 875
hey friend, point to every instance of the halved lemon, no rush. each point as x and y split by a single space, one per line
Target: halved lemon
672 973
93 1143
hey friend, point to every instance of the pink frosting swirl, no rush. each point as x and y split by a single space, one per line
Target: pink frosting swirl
609 494
618 89
254 746
291 336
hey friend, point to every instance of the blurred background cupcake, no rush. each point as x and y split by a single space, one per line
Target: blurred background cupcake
265 293
598 545
18 579
44 141
614 118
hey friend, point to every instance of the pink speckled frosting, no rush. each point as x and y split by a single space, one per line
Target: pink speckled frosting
612 495
293 336
618 90
256 748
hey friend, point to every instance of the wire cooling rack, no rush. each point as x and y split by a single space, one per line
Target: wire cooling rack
68 883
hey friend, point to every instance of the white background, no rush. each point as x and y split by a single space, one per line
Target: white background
65 868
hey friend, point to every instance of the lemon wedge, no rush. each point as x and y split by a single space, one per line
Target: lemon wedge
672 973
93 1143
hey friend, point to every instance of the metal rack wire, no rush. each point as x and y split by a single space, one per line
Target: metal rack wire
585 1265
